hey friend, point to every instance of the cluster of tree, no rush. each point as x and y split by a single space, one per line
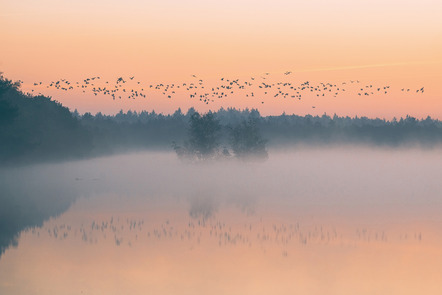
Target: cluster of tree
133 131
278 130
293 129
37 128
205 137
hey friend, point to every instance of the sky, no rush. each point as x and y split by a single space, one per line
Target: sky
395 43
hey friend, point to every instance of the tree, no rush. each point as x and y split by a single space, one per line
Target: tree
247 142
203 135
6 84
203 143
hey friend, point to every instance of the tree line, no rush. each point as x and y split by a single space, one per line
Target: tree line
38 128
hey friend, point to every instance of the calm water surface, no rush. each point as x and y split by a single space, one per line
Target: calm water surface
309 221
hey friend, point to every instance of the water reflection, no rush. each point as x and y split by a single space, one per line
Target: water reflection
27 199
310 222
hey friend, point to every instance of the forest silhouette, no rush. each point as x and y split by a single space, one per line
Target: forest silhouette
38 128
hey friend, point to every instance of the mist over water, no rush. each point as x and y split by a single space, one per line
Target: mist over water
334 220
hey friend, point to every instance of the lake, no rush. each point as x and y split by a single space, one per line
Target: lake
312 220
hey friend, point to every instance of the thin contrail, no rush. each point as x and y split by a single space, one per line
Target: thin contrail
294 71
368 66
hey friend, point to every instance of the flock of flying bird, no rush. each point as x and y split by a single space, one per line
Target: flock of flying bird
256 88
212 231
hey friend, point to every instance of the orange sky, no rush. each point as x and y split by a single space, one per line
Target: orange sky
398 43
